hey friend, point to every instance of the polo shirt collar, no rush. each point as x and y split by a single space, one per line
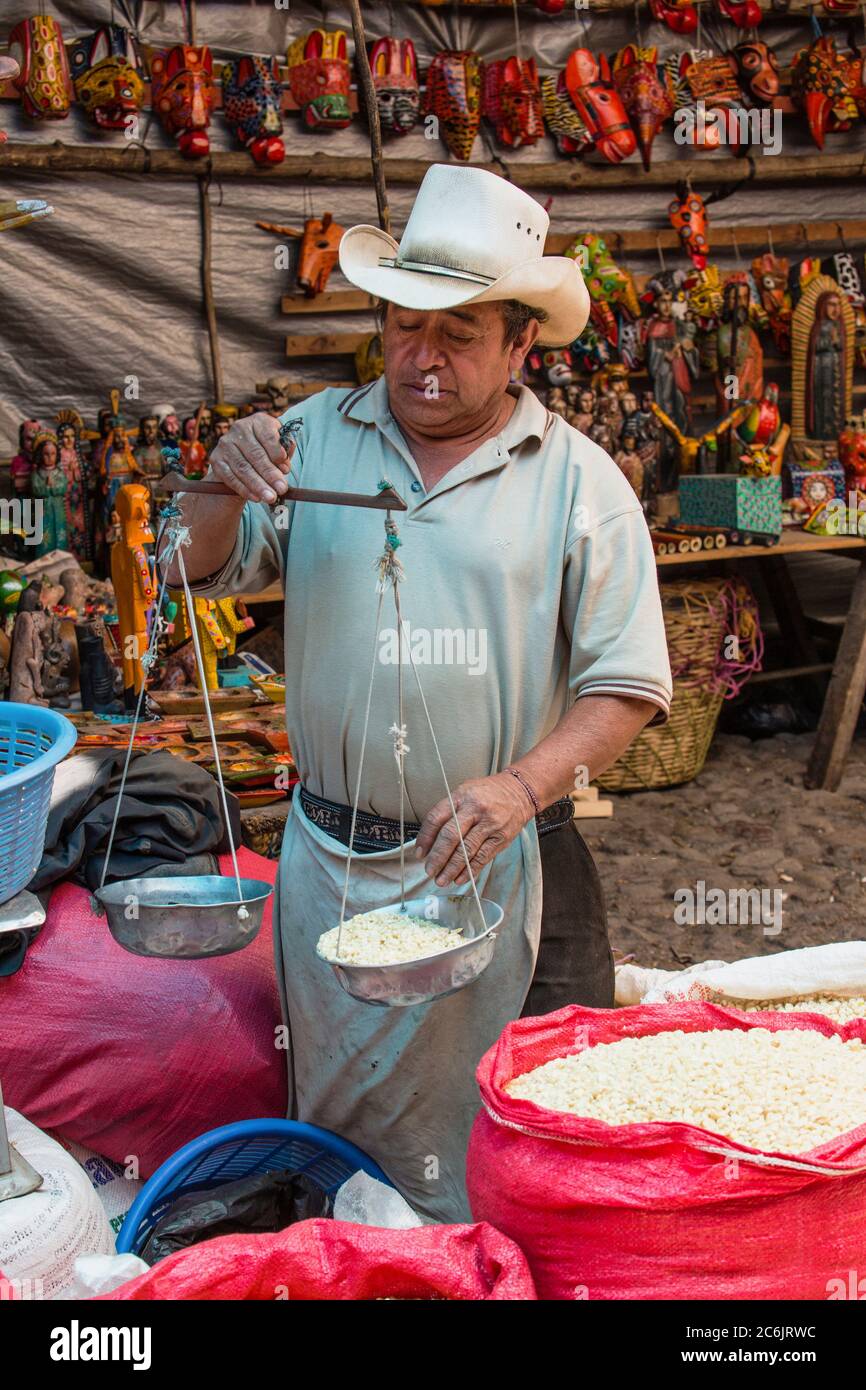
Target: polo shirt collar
369 405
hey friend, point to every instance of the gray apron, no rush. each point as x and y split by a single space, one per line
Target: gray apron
399 1083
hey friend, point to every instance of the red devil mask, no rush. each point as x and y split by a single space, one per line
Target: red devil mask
648 99
512 101
821 86
182 92
679 15
599 106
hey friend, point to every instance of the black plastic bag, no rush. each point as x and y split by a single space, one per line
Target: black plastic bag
266 1202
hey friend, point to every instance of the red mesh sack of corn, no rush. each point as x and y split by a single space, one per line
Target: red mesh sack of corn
337 1260
663 1209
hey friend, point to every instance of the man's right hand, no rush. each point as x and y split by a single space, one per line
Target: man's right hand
251 460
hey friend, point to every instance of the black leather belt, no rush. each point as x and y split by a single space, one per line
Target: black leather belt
378 832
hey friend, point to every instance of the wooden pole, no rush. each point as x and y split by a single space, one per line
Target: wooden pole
207 286
561 175
362 66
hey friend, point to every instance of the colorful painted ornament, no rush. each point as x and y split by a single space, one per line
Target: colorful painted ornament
394 67
688 217
852 454
183 95
454 80
612 290
106 72
252 105
44 81
599 105
705 298
848 270
763 421
512 101
679 15
770 274
320 78
553 366
821 88
646 91
318 251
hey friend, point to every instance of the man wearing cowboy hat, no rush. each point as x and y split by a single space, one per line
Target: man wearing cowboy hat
531 608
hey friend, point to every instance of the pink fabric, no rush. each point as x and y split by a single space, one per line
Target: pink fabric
648 1211
132 1056
337 1260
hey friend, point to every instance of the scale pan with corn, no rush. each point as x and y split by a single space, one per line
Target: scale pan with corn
214 915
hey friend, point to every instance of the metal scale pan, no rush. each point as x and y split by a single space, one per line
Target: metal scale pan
432 977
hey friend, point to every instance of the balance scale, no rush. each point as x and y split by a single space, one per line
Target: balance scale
213 915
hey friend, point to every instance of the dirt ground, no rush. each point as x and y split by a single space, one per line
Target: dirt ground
747 822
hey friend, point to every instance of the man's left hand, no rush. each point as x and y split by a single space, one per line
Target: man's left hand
491 811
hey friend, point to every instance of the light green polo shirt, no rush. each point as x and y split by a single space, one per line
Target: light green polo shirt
530 582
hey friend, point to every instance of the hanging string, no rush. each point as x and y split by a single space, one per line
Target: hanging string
770 241
637 27
662 263
518 48
401 748
736 246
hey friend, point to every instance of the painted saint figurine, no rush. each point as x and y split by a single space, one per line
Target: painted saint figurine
822 350
21 467
78 529
133 580
629 461
147 449
219 622
49 489
736 352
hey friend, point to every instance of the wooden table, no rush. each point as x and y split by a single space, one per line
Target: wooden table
844 695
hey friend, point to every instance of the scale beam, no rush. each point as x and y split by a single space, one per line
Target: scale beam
388 500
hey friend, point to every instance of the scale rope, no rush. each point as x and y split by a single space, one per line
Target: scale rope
390 574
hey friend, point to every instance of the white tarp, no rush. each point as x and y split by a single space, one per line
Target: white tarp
108 287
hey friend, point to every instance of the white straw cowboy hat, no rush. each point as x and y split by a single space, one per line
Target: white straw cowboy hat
471 237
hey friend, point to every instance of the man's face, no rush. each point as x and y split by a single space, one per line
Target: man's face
222 427
150 429
445 369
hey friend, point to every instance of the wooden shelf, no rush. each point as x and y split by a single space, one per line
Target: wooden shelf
791 543
561 175
329 302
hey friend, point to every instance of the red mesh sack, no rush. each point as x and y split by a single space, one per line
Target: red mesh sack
338 1260
135 1056
659 1211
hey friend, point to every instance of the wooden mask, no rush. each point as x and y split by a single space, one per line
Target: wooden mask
106 71
599 106
679 15
319 79
756 69
453 96
252 105
646 92
512 101
395 79
44 81
182 92
821 87
688 217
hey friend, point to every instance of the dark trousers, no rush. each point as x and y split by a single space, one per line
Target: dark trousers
575 964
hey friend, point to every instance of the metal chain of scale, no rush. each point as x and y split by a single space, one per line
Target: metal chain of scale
389 572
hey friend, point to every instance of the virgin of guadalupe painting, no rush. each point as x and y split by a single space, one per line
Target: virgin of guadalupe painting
822 344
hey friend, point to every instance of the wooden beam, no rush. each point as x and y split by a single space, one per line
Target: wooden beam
561 175
844 697
801 235
329 302
323 344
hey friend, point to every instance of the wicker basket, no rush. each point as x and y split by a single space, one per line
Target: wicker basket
698 618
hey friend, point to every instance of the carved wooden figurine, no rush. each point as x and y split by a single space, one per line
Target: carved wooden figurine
822 350
132 577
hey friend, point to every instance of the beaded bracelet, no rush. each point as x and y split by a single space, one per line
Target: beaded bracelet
526 787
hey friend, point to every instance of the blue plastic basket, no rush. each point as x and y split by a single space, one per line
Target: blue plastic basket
238 1151
32 742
